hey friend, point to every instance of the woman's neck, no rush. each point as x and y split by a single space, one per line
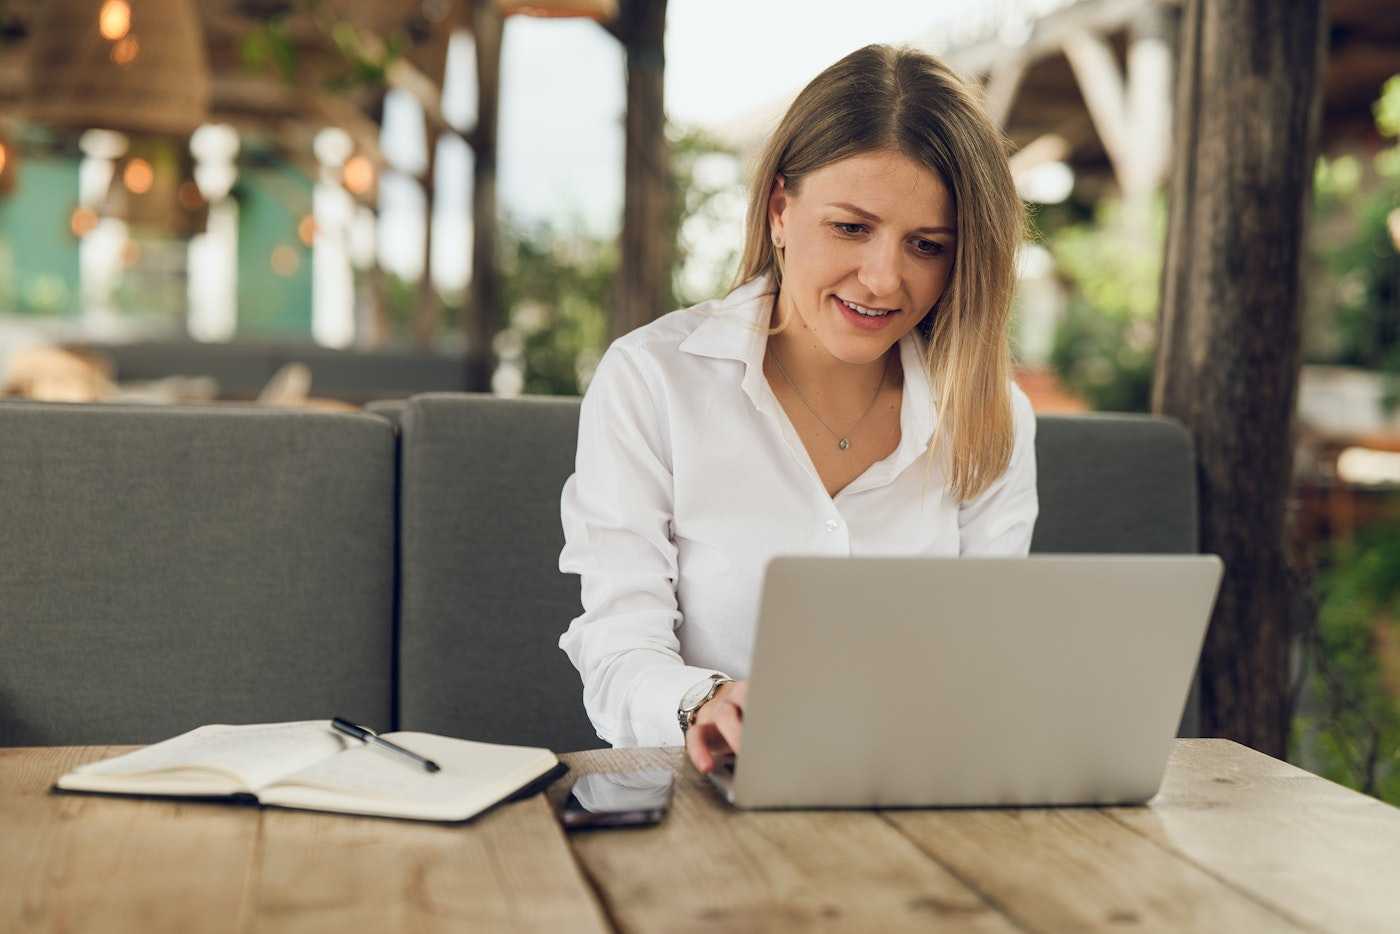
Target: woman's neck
821 378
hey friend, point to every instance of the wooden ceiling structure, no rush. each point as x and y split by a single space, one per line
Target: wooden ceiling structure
1047 98
286 109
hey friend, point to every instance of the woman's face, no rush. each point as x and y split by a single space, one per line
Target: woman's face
876 230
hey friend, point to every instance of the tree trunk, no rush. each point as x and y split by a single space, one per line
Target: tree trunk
1248 82
484 304
643 288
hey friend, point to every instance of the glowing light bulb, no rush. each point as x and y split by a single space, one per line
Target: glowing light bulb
114 19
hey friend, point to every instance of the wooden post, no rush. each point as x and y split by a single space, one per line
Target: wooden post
1248 88
643 288
425 315
483 309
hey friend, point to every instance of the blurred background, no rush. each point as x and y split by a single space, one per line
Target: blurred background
319 202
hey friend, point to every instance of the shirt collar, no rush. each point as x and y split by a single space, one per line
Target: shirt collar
736 328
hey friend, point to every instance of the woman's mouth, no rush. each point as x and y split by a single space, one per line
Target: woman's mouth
868 319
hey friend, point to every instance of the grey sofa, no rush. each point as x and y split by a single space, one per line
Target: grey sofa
163 567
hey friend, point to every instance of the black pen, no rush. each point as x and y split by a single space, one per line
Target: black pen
369 736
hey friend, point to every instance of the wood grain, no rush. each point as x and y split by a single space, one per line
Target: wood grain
1236 841
508 870
709 868
93 863
1321 852
1076 869
84 862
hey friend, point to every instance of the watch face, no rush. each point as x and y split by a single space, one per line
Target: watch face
695 695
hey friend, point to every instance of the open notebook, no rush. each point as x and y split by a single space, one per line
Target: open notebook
306 764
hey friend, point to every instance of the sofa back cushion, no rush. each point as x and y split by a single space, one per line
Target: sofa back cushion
482 601
165 567
1114 484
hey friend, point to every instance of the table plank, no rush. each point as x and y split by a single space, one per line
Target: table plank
84 862
708 867
1324 853
510 869
1076 869
89 863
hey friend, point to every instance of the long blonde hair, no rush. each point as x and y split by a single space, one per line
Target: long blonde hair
905 101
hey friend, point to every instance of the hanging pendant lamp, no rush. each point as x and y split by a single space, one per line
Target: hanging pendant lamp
133 65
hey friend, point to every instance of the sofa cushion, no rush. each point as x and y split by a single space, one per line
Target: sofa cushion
482 601
164 567
1114 484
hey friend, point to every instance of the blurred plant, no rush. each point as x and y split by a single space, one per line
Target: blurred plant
558 282
557 285
1354 736
365 59
709 205
1354 313
1105 344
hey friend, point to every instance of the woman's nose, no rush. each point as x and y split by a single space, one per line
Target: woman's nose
879 271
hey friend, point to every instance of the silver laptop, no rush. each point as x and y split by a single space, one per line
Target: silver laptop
928 682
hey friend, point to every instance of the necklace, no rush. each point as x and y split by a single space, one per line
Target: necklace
843 442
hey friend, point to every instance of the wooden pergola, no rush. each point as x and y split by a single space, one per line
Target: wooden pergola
405 42
1081 77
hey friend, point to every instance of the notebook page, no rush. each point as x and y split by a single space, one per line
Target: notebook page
255 753
371 780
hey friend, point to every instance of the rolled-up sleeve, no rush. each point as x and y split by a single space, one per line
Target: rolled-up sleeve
1000 520
617 511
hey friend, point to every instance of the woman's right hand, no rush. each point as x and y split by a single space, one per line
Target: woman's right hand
717 727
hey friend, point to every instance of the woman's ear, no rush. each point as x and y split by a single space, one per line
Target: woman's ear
777 207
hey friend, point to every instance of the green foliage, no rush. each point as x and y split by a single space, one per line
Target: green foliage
269 47
559 282
700 196
1355 735
365 60
558 286
1104 345
1355 318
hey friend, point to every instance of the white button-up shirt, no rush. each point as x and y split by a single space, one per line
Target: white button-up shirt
689 477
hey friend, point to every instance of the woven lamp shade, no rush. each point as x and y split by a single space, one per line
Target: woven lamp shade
132 65
601 10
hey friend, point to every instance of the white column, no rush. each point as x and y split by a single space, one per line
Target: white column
213 282
332 279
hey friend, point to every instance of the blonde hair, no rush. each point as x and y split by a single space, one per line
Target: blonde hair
880 98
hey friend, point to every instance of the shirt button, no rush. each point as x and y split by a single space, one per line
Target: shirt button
832 525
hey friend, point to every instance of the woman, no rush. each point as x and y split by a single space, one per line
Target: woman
851 396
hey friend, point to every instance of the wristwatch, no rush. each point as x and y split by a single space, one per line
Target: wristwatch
695 698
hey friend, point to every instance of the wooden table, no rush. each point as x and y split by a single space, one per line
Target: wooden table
1236 841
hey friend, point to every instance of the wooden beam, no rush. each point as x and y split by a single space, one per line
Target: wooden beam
1102 85
1000 91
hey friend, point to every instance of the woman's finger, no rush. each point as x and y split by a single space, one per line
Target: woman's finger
698 746
728 720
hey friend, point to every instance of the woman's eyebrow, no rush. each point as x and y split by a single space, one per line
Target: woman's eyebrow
872 217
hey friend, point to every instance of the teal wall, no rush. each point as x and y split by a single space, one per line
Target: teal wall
271 201
38 253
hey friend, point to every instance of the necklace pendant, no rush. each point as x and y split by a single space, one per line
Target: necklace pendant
844 444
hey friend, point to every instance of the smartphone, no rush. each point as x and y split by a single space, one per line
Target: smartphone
618 799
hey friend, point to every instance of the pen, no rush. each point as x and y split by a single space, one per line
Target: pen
369 736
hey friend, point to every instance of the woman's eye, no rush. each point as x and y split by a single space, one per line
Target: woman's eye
929 247
849 229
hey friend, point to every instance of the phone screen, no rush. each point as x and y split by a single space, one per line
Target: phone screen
618 799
